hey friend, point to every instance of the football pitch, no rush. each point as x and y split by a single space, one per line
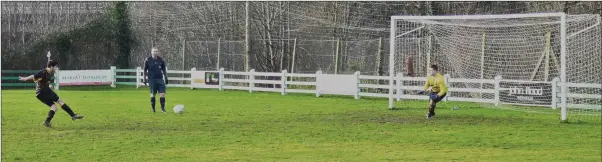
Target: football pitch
238 126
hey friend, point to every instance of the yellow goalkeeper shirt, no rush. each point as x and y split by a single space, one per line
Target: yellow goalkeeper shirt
437 83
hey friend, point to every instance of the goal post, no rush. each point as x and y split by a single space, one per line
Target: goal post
563 88
392 71
513 46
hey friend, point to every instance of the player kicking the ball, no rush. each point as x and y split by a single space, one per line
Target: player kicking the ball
155 67
436 88
45 94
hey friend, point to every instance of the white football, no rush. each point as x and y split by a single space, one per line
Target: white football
178 109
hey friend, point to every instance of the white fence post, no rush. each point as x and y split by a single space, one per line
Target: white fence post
56 79
114 75
138 71
447 76
193 70
221 77
555 92
564 89
283 84
357 85
251 80
399 83
498 79
318 73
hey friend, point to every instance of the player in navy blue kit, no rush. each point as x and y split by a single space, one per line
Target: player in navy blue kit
154 68
45 94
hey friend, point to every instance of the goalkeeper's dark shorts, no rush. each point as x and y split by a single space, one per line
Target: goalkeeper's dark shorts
47 97
438 98
156 85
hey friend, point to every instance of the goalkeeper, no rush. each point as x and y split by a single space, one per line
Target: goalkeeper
436 88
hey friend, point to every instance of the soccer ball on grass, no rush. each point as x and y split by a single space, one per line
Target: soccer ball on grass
178 109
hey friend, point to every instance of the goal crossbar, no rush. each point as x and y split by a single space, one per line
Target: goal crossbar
461 17
486 26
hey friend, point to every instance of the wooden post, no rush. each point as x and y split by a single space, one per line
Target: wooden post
192 70
246 36
183 56
114 77
283 83
221 77
379 69
318 73
497 88
356 76
293 57
183 53
138 75
251 80
336 57
219 50
282 53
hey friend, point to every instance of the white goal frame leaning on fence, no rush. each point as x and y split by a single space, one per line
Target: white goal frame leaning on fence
563 38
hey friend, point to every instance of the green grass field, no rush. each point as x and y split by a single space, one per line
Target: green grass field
238 126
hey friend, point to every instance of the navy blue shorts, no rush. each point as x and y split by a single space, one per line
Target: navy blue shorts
48 97
156 85
438 98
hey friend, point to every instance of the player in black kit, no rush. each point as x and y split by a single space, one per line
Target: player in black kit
45 94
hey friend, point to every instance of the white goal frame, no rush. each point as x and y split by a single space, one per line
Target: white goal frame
563 38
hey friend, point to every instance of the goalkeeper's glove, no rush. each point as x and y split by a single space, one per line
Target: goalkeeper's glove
144 81
434 96
420 92
166 80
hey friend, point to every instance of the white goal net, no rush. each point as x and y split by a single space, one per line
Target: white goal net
515 60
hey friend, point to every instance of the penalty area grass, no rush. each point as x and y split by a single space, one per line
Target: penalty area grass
242 126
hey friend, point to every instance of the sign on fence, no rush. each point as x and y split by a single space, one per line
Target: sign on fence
85 77
337 84
526 93
205 79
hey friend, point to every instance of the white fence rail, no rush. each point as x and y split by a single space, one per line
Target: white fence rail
358 85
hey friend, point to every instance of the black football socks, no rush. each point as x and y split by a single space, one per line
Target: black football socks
152 99
68 110
50 116
162 100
